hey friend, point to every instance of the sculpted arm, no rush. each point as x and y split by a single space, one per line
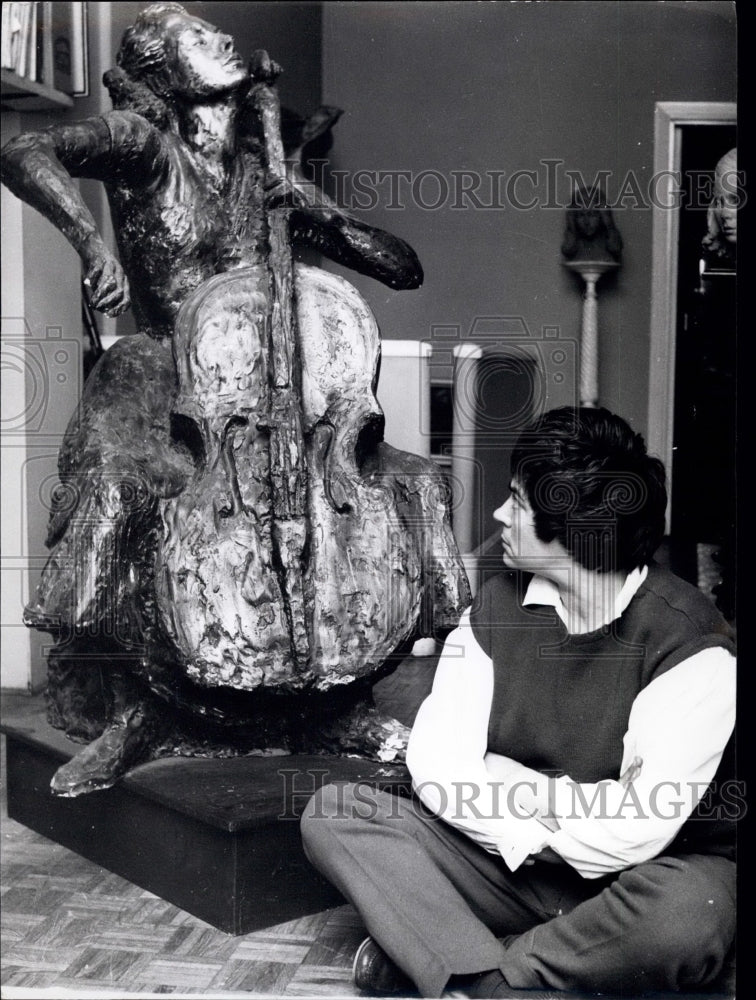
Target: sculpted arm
39 168
320 223
316 220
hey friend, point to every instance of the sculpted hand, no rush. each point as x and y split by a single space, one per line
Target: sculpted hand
280 192
107 284
262 68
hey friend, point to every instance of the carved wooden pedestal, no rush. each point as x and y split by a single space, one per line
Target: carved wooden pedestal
218 838
590 271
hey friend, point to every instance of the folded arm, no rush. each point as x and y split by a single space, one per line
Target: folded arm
447 750
677 731
678 728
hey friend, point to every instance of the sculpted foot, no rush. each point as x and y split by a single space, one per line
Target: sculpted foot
100 764
367 732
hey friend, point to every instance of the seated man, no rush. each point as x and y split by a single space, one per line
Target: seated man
573 825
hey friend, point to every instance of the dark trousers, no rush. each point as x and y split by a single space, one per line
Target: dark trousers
440 905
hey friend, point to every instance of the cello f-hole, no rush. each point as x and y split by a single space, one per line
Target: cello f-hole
333 485
229 465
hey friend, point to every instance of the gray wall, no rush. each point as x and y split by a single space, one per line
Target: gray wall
502 87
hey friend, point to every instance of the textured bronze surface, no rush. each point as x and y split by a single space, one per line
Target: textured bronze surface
235 553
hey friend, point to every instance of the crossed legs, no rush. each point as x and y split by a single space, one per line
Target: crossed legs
439 905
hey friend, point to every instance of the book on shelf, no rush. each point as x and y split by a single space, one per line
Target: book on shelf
31 43
23 39
70 53
11 27
19 44
13 36
61 25
5 37
47 43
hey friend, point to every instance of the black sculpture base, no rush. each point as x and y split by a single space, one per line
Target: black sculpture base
218 838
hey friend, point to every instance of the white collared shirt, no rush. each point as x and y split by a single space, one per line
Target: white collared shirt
545 592
678 727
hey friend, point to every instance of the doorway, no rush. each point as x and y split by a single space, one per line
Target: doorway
692 383
702 540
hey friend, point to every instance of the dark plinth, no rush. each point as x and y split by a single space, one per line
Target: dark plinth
218 838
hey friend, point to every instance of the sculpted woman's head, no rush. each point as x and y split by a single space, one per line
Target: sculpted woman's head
726 195
590 232
180 56
722 218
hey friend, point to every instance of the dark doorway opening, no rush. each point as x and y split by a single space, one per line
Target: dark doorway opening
703 526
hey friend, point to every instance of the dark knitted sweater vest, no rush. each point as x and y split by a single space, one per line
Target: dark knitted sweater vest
561 702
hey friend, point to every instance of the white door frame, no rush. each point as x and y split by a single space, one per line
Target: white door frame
669 117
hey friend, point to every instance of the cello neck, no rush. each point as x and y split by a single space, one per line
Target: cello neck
264 73
288 471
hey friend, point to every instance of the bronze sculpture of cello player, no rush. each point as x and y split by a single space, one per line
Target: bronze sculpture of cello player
209 490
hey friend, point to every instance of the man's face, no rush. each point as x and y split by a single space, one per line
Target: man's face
202 61
523 549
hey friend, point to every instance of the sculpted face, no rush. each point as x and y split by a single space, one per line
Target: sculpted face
588 221
725 204
726 211
201 59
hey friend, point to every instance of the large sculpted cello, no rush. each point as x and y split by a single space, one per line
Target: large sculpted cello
236 553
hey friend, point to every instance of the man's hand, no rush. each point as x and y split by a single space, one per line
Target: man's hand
106 281
549 855
632 772
529 788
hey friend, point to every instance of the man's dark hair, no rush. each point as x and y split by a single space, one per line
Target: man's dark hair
592 486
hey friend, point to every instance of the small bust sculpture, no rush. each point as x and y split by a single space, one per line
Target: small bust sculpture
590 233
720 242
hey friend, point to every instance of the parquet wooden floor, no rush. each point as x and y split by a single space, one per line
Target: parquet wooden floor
71 928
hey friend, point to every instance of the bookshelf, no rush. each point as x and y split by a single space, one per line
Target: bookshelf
44 55
20 94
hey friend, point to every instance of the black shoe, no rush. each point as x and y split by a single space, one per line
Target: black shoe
376 974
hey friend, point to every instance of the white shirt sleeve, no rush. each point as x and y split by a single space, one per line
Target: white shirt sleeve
679 726
446 755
